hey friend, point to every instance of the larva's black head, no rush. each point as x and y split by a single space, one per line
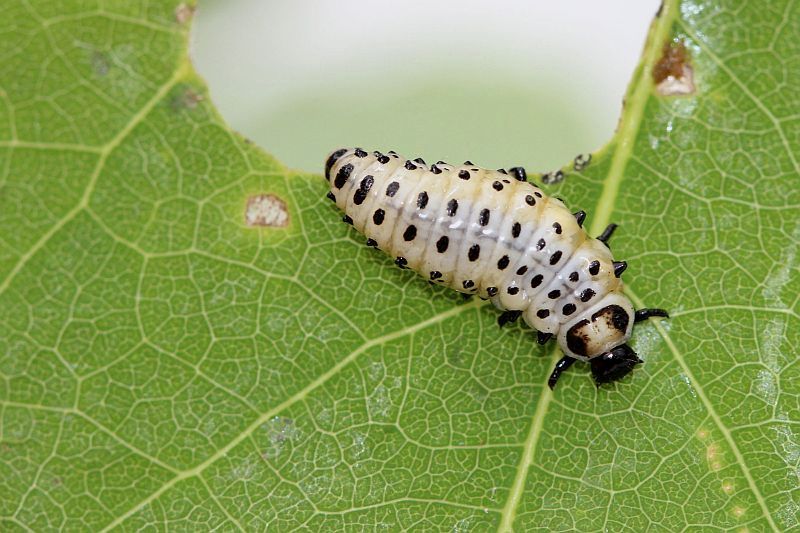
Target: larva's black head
332 159
614 364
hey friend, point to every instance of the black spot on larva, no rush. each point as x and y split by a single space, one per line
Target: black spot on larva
360 153
383 159
543 313
521 270
576 341
347 220
391 189
568 309
452 207
519 173
620 318
573 277
512 290
435 169
435 274
537 194
515 229
587 294
536 281
392 152
614 315
372 243
361 194
410 233
491 291
463 174
503 262
377 217
557 228
410 166
468 283
468 162
555 257
483 218
330 196
502 171
530 200
401 262
422 200
420 161
342 175
377 153
594 267
441 163
474 252
442 244
334 157
540 244
555 293
367 182
497 186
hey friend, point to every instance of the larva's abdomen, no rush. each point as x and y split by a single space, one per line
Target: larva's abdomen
480 232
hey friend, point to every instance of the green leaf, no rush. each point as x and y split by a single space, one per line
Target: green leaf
165 364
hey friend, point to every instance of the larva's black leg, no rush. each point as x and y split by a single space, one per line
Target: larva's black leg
563 364
580 216
619 267
542 338
614 365
607 233
644 314
508 317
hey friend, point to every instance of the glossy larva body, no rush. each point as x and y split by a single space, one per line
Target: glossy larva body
493 234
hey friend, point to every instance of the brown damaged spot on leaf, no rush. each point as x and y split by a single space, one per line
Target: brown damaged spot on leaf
266 210
186 98
183 13
672 73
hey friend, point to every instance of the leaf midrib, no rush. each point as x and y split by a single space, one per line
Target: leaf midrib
623 143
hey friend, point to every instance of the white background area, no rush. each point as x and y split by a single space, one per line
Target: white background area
501 83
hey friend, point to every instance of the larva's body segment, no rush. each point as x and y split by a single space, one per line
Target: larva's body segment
484 232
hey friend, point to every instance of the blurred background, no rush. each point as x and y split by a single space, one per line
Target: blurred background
501 83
